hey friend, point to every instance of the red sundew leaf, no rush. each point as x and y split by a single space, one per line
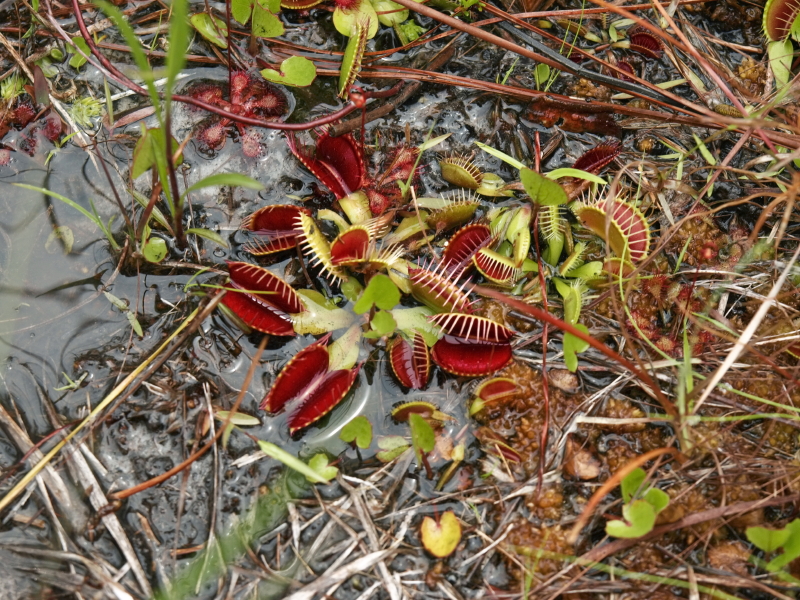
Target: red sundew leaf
411 364
644 42
299 377
594 160
258 315
779 17
327 393
438 292
497 388
472 328
240 82
326 173
401 164
344 154
350 247
251 278
470 358
464 244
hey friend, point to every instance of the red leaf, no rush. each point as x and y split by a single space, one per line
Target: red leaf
258 315
350 247
644 42
251 278
344 154
594 160
323 398
464 244
497 388
470 358
472 328
299 376
278 224
411 365
326 173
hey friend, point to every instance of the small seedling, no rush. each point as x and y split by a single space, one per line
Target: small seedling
296 71
71 385
358 431
640 509
123 307
319 463
442 538
291 461
769 540
423 439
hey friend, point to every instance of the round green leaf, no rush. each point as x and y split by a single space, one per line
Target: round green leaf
155 250
359 430
442 538
265 24
295 71
542 190
211 28
640 516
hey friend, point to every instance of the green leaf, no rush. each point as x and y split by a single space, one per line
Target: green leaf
211 28
154 250
422 435
343 352
273 6
116 302
411 320
381 292
390 13
640 516
291 461
178 43
572 300
135 46
238 419
791 548
631 484
296 71
391 446
148 147
704 151
572 346
93 218
780 61
501 155
359 430
351 288
541 74
382 324
211 236
542 190
319 463
241 9
78 60
767 539
578 173
265 24
220 179
137 328
658 499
